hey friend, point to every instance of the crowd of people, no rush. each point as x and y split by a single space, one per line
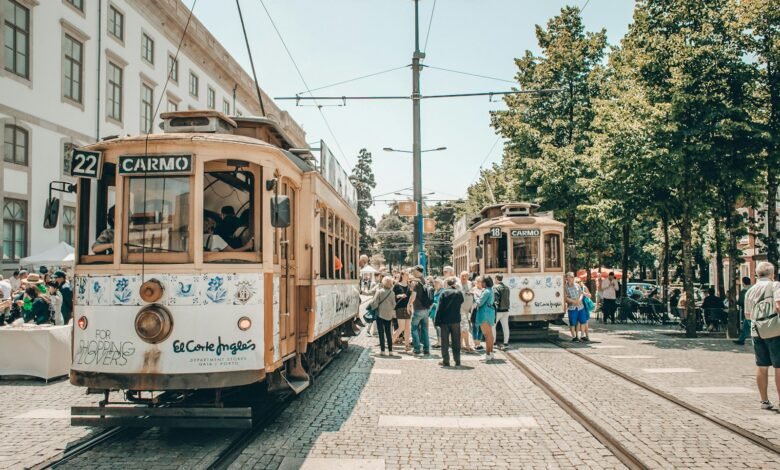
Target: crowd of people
42 298
464 309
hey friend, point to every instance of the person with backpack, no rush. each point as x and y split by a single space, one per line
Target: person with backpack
762 307
419 304
502 298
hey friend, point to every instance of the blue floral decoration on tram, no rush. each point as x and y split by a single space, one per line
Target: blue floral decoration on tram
548 282
121 292
216 292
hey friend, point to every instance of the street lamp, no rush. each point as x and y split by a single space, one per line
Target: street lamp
418 223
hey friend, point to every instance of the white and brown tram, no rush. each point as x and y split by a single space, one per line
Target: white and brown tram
527 249
233 260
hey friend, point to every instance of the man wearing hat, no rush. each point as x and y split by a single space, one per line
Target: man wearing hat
67 296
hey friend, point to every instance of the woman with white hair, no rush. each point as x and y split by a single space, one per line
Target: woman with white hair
384 303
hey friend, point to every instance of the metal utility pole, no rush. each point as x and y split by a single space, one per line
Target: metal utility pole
416 144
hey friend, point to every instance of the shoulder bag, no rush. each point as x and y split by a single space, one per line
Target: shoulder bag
373 313
764 315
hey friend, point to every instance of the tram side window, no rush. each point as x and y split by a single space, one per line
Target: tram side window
97 199
552 251
229 212
495 252
525 251
158 219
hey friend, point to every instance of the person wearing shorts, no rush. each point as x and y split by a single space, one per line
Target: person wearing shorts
576 311
765 292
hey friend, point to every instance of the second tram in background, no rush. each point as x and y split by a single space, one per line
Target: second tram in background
527 249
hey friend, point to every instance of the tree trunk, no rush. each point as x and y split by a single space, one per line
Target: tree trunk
687 261
771 213
773 151
624 266
665 261
719 257
734 255
571 254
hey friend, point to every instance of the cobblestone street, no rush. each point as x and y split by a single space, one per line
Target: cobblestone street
371 412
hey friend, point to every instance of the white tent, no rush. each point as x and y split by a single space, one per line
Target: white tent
368 269
61 254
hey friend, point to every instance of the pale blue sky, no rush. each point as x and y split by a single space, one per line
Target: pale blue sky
336 40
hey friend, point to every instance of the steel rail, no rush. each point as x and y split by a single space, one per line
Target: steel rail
621 453
749 435
82 447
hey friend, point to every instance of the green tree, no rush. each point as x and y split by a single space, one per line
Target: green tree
363 179
393 238
548 133
439 243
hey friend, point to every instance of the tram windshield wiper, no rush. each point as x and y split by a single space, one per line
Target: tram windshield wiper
152 248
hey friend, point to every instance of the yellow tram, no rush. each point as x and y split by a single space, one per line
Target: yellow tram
209 256
527 249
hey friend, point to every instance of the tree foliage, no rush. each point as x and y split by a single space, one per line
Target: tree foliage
363 179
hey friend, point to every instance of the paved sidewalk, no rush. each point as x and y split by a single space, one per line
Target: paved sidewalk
367 411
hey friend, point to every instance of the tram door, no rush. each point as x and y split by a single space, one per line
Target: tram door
287 289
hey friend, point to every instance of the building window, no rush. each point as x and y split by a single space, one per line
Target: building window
77 4
114 92
16 148
226 107
211 98
194 85
116 23
173 68
147 48
72 61
14 230
147 107
172 106
67 157
68 231
17 38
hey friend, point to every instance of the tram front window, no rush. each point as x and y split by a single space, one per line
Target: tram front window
495 253
229 210
96 217
552 251
158 219
525 251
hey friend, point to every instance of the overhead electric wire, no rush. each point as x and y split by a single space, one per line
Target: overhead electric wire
469 74
485 159
251 61
306 85
584 6
430 22
355 79
403 97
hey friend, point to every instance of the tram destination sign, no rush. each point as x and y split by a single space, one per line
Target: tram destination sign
86 164
155 164
532 232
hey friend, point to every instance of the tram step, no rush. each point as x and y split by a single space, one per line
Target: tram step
140 416
298 385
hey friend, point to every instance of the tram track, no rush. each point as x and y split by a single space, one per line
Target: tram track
84 446
628 458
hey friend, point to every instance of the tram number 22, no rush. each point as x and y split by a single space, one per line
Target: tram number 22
86 164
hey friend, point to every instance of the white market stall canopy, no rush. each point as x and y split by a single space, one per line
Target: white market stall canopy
368 269
58 255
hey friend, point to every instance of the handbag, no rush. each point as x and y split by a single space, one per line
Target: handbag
588 304
373 313
765 317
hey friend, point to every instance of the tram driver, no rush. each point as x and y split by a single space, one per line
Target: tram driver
104 243
214 242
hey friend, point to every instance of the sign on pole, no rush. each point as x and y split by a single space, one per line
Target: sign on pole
429 225
407 208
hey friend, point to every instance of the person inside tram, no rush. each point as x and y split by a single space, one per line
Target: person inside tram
213 242
104 244
226 227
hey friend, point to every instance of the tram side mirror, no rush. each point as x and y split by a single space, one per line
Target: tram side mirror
479 252
52 213
280 211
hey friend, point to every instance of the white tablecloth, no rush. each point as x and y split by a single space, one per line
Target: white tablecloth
38 351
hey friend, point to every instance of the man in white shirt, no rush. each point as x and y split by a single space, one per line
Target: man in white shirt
760 300
608 288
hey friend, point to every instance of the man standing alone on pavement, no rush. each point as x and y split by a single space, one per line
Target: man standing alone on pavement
745 331
761 301
502 293
448 319
609 289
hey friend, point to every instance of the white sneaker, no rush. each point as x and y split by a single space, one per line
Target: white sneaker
383 353
766 405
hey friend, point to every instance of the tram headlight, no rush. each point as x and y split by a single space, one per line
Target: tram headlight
82 322
244 323
527 295
153 323
151 290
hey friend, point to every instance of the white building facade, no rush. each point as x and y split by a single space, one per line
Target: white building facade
76 71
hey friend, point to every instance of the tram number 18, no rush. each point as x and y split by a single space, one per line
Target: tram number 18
86 164
495 232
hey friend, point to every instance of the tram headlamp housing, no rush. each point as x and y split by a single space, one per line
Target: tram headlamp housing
527 295
153 323
244 323
82 322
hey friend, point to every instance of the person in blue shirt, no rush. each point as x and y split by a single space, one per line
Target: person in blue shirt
486 312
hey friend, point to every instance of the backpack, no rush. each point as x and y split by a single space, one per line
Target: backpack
764 316
426 299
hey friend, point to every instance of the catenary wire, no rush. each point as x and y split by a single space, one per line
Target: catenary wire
469 74
485 159
430 22
584 6
306 85
355 79
251 60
